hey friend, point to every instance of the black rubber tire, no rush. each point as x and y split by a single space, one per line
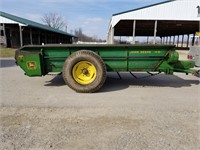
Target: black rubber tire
84 55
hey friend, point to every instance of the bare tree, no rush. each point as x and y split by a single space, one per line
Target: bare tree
85 38
54 20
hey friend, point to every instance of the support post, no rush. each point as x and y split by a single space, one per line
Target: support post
193 39
174 39
112 35
21 36
188 38
164 40
167 40
155 31
134 27
31 36
110 39
178 41
46 38
39 38
182 40
4 41
170 38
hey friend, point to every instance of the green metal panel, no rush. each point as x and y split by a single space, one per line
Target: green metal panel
50 58
54 58
145 58
30 62
115 58
184 64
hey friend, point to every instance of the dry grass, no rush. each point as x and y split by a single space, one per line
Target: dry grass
7 52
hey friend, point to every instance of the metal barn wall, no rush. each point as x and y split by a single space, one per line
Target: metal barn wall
173 10
17 31
174 13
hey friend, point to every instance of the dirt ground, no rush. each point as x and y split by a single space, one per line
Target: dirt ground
42 113
99 128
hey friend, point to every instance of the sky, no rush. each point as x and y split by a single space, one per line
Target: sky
92 16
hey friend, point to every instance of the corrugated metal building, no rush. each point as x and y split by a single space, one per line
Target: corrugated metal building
165 20
17 31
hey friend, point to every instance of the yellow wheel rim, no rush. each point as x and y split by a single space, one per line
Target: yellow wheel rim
84 72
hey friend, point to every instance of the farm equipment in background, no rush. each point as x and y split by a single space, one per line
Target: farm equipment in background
194 51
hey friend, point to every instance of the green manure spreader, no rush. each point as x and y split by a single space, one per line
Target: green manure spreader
84 67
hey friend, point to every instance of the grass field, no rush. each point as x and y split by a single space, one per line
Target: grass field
7 52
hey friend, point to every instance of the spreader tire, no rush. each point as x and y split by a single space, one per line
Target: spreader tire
84 71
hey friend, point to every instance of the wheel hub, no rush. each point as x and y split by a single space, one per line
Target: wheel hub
84 72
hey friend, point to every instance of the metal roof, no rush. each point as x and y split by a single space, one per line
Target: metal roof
8 18
177 10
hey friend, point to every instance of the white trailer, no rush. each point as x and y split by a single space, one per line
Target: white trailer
194 52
